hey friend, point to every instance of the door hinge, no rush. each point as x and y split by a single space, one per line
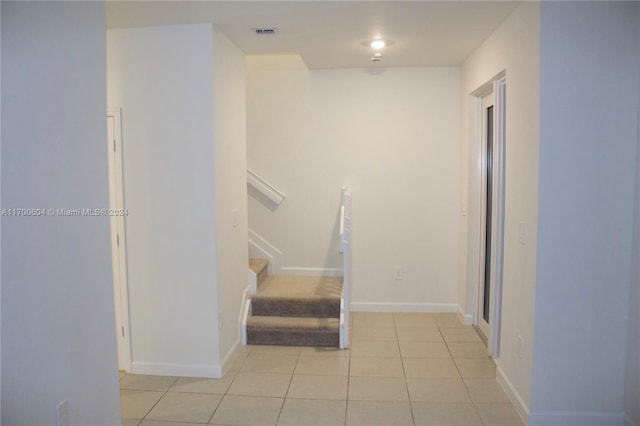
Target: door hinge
118 240
114 145
122 327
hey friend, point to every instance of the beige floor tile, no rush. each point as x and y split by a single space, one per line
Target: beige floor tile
476 368
136 404
445 414
377 389
437 390
284 350
485 391
165 423
267 362
468 350
499 415
185 407
325 365
376 367
419 334
430 368
147 382
238 361
460 334
374 333
424 350
375 349
245 410
318 387
260 384
374 319
449 322
198 385
415 319
312 412
369 413
315 350
130 422
121 374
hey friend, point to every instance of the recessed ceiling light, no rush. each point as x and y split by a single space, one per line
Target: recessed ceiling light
378 44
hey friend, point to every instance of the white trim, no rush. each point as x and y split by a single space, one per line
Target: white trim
465 319
403 307
497 255
266 188
575 418
213 371
263 249
628 421
311 272
259 248
252 280
245 311
118 241
518 403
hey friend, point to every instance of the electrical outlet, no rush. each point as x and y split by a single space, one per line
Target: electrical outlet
62 411
398 273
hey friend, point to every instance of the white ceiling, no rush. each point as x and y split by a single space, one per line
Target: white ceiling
330 34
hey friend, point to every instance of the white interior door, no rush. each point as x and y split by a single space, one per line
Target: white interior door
118 213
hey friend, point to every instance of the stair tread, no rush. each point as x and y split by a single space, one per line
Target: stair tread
318 288
293 323
258 265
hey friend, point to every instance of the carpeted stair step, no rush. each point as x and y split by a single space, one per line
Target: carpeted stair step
288 296
260 268
291 331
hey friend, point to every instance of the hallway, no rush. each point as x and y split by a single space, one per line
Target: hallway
401 369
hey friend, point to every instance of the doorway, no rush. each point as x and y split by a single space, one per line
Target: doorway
117 214
490 136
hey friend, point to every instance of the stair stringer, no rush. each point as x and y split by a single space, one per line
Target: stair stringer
259 248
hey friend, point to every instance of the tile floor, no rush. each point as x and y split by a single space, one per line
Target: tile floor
401 369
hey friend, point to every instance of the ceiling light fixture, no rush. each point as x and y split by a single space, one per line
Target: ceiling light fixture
378 44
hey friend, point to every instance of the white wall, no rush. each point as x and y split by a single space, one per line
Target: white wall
392 135
58 336
230 178
166 93
589 67
513 48
632 374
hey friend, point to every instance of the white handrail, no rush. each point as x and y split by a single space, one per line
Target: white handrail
345 250
266 188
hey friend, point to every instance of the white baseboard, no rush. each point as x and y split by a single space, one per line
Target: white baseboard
575 418
465 319
171 369
518 403
402 307
628 421
311 272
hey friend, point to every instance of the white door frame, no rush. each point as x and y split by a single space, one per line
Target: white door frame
118 242
477 221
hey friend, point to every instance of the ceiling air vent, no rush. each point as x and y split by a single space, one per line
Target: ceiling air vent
266 31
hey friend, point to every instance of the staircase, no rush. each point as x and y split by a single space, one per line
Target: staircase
294 310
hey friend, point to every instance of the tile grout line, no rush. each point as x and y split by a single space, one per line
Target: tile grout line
404 372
